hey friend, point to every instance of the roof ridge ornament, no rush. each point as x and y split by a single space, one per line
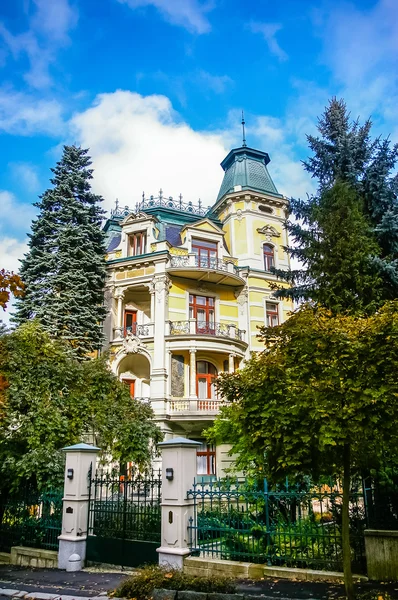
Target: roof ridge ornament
244 145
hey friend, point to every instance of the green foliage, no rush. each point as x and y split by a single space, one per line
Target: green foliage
141 586
323 381
64 269
344 153
52 400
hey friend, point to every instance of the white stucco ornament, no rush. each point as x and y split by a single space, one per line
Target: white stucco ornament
131 344
269 232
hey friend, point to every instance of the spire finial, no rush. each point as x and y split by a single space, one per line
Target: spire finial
243 130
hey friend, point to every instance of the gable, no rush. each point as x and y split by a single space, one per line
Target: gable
205 225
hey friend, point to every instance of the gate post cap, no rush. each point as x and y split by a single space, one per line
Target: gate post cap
179 441
82 447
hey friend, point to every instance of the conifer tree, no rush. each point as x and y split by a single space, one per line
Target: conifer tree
345 153
64 269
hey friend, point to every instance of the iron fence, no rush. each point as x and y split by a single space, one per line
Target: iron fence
31 518
286 526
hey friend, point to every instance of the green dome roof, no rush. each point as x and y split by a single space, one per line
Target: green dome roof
247 168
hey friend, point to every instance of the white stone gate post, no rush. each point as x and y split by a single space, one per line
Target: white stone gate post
73 538
178 473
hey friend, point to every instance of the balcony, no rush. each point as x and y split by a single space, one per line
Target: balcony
218 330
185 407
140 331
213 270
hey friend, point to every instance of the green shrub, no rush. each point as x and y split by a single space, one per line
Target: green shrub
141 586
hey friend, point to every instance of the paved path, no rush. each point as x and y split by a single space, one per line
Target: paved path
90 585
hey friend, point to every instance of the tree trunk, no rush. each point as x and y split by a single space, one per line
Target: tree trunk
345 533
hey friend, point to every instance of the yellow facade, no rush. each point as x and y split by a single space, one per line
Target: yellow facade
188 293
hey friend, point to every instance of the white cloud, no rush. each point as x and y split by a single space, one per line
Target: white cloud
216 83
360 47
47 32
54 19
11 251
25 175
140 144
11 210
190 14
269 31
22 114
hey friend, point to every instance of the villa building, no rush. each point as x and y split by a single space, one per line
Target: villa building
188 288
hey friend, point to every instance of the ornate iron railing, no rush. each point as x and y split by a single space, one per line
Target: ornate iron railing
179 327
140 331
214 264
286 526
30 518
206 328
162 201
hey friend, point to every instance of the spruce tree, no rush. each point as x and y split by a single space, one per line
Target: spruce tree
344 153
337 250
64 269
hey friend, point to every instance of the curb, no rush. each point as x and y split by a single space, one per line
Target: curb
11 593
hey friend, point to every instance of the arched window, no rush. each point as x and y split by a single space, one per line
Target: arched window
269 259
205 376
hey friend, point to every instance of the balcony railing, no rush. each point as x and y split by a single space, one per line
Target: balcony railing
195 327
203 262
181 405
140 331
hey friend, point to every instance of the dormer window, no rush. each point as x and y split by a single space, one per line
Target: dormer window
137 243
205 253
269 257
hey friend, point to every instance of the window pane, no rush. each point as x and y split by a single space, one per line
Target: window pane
201 300
204 244
201 462
202 388
201 366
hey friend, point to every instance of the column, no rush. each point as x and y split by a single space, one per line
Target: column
178 473
119 295
73 538
192 373
152 293
231 363
161 285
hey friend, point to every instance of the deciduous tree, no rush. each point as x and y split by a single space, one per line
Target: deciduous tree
52 400
321 399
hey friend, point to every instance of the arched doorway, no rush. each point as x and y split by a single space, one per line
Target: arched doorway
206 373
134 371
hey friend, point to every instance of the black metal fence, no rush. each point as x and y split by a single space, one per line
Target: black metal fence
124 518
286 526
31 518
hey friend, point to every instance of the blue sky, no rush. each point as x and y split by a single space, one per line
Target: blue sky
155 89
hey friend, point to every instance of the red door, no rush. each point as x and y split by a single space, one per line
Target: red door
205 376
131 385
130 322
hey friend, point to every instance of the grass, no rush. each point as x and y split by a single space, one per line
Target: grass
141 586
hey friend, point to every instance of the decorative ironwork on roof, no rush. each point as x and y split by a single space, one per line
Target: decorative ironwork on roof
163 202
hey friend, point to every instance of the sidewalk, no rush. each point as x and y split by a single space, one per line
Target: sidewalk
49 584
